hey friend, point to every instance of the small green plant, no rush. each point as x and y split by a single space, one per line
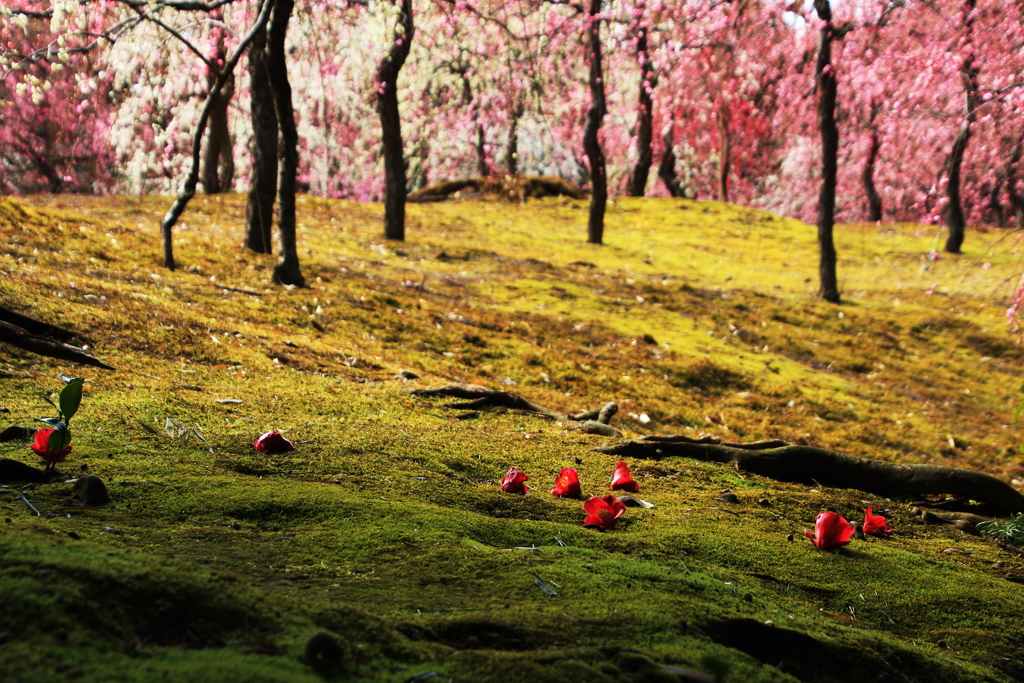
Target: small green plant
54 443
1010 531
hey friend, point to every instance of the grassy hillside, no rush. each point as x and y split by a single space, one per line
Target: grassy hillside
386 525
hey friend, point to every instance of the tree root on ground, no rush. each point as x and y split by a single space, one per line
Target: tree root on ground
808 465
590 421
44 339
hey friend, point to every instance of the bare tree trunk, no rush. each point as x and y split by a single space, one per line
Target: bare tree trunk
867 178
826 77
391 125
667 168
1016 201
512 149
217 153
724 153
286 271
259 208
189 190
955 220
595 117
483 168
645 119
994 205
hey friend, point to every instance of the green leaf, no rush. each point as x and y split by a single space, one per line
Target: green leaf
54 422
71 398
58 440
1017 412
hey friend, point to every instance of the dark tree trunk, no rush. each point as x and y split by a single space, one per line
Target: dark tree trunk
955 220
391 125
286 271
724 153
867 177
259 208
645 119
512 149
1016 201
482 167
826 78
667 169
994 205
218 164
189 190
216 157
595 117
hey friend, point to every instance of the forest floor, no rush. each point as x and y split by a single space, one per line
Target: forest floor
386 525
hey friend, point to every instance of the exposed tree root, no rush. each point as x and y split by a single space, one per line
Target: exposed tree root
509 188
16 335
590 421
808 465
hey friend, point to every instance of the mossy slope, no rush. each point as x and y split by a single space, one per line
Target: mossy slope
386 527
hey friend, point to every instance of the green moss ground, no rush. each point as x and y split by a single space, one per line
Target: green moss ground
386 526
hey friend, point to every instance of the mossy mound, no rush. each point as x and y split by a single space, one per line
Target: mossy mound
386 526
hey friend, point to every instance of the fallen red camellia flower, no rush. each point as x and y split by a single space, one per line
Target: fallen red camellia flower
41 446
513 482
273 442
621 479
603 512
568 483
830 531
875 525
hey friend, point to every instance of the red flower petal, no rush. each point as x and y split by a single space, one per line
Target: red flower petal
41 447
622 481
830 531
273 442
875 525
513 482
603 512
567 483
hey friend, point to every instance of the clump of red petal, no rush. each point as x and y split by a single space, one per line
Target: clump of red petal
830 531
513 482
622 480
41 446
603 512
567 483
273 442
875 525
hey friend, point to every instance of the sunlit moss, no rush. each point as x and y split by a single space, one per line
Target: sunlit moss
386 527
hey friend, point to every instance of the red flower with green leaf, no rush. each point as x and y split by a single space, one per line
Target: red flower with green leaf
603 512
513 482
622 481
50 445
830 531
875 525
567 483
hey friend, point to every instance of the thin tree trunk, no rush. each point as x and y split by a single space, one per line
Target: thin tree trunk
1016 201
994 205
512 149
391 125
867 176
189 190
483 168
667 169
259 208
724 153
645 119
286 271
218 136
826 77
955 220
595 117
